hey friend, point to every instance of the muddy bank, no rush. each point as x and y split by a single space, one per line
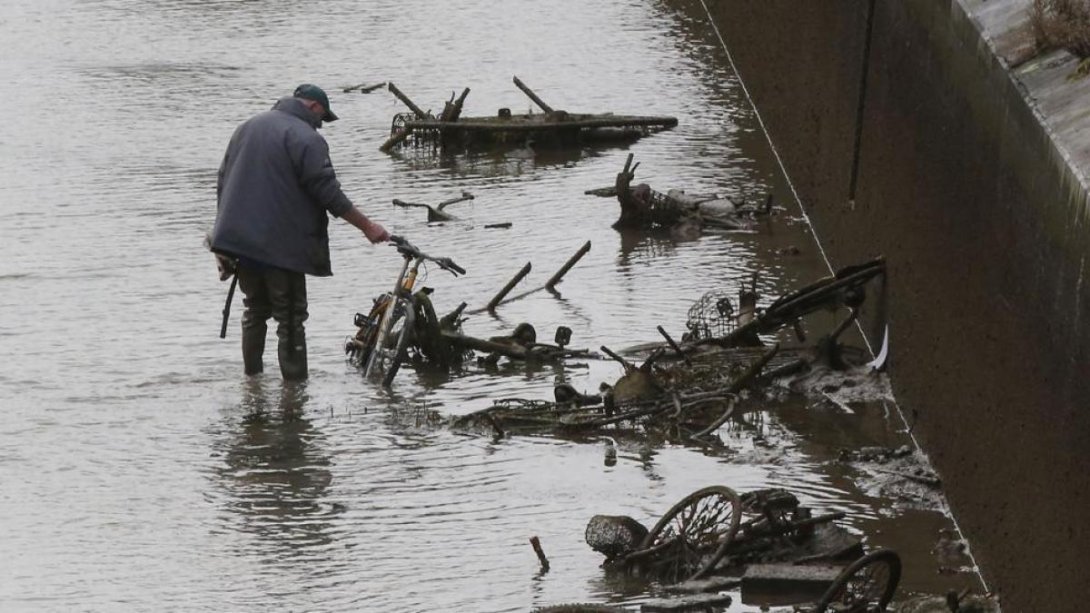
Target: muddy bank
905 134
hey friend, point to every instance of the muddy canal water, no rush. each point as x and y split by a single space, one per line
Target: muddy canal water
137 471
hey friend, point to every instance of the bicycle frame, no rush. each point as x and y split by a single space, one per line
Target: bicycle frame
400 296
398 303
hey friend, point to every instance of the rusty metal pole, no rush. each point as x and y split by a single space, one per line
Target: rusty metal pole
394 139
405 99
510 286
529 92
675 346
567 266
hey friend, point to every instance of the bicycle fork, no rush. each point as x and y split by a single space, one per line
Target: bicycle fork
404 278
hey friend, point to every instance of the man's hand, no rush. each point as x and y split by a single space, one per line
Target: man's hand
375 232
226 266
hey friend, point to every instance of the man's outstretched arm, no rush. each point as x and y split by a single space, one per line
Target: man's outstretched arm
373 231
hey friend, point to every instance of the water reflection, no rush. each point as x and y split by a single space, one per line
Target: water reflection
639 244
276 471
492 162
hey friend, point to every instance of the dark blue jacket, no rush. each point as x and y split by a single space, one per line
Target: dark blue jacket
276 185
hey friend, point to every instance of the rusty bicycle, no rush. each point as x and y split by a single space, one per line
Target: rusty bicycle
386 333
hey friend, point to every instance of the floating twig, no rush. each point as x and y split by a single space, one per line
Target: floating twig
364 88
536 543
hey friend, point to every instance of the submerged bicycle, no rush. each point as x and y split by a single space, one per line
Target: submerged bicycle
714 523
399 319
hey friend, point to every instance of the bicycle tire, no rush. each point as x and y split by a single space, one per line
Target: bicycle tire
872 268
844 595
401 348
380 355
814 296
660 534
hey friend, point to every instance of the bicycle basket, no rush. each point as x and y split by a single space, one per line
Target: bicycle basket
712 316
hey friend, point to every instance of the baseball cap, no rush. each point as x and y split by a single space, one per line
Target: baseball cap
317 94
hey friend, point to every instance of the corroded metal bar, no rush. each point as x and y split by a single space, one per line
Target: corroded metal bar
567 266
486 346
529 92
674 345
510 286
453 110
394 139
628 366
405 99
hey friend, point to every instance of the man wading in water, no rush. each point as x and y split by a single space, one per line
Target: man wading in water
276 185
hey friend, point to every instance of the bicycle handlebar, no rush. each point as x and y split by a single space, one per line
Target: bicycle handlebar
410 251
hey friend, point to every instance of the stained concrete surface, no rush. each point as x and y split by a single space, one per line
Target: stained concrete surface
971 166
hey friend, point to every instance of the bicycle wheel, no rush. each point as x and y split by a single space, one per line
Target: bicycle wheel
864 586
380 351
400 351
694 534
819 294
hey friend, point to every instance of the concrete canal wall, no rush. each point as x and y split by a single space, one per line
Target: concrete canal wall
930 131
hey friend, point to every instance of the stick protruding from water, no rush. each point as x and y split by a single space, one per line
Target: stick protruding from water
536 543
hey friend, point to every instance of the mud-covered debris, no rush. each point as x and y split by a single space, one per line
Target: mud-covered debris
785 584
363 88
951 550
580 607
614 535
697 586
714 531
696 602
553 127
682 213
874 454
899 474
436 213
952 602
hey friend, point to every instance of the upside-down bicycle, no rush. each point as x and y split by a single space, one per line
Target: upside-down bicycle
385 334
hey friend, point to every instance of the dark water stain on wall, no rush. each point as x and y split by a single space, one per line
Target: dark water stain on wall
980 216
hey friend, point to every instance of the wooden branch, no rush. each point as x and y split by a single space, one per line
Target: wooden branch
364 88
